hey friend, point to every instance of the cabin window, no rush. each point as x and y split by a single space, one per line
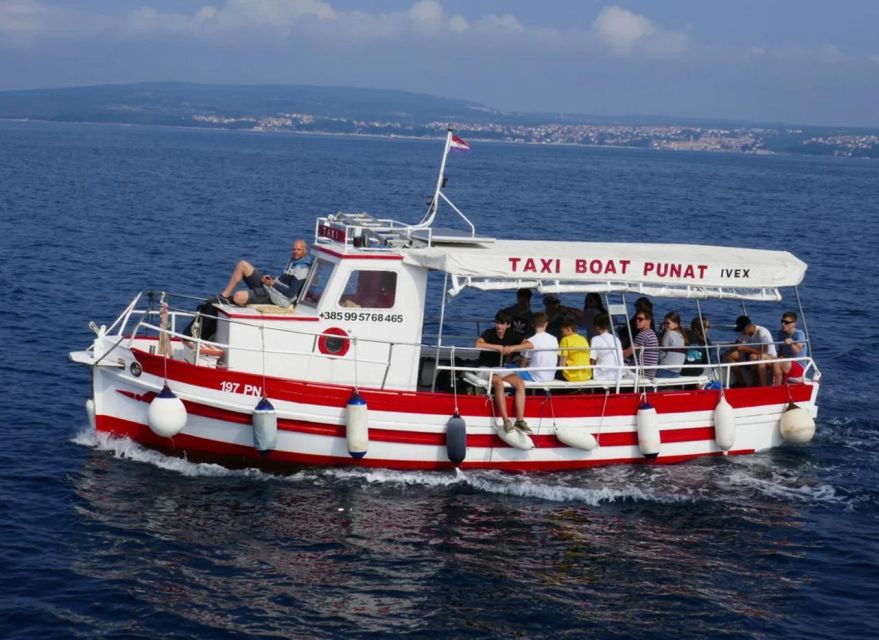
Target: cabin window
370 290
317 283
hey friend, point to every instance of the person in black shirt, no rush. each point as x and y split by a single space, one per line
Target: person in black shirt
497 345
558 313
522 317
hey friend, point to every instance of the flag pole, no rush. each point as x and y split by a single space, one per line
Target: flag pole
434 203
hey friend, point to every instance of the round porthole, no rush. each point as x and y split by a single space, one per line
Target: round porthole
135 369
334 342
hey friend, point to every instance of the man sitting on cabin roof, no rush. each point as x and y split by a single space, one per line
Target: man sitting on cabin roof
288 284
496 345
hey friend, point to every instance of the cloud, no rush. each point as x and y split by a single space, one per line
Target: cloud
621 28
24 22
830 54
425 23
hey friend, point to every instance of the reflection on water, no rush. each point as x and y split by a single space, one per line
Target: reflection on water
383 552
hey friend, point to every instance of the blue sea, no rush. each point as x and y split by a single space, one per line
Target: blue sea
101 538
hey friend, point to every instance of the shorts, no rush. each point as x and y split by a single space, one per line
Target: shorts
257 293
486 372
796 371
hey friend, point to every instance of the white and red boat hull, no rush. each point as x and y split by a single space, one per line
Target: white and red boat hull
407 428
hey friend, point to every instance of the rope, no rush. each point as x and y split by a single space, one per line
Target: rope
551 409
454 383
164 345
356 382
601 419
262 340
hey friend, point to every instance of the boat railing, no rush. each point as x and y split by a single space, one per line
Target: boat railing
628 375
635 376
198 342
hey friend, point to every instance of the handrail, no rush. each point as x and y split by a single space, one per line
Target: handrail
255 350
714 367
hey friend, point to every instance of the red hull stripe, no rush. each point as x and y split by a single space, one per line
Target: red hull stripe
608 439
184 443
358 256
425 402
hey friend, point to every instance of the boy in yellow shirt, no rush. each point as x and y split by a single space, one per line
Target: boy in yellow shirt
574 353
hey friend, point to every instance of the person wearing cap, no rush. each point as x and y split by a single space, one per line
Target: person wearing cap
755 344
523 317
557 313
793 344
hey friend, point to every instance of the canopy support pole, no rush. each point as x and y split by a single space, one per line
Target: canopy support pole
439 335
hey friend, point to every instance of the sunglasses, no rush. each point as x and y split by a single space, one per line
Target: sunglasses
788 321
640 318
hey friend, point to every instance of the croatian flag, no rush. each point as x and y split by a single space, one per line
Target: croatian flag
459 144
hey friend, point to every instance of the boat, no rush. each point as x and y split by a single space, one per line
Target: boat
355 372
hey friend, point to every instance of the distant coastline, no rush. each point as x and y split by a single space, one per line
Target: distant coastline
394 114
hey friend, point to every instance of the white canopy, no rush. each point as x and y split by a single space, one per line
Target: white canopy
657 269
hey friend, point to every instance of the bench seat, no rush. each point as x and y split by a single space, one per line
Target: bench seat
699 381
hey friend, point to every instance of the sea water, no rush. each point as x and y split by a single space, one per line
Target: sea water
100 537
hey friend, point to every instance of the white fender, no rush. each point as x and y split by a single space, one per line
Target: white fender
797 425
166 415
724 425
514 438
356 426
90 410
648 430
265 426
576 437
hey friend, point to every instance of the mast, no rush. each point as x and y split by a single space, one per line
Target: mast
434 202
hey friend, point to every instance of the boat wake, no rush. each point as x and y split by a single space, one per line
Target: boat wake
703 481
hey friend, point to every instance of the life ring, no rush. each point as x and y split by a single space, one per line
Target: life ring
334 342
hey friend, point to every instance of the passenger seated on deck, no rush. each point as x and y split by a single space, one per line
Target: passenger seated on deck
523 317
574 353
288 284
558 313
592 308
606 351
628 331
699 350
755 344
674 343
793 344
644 352
496 345
544 357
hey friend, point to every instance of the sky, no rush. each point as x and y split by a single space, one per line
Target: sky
778 61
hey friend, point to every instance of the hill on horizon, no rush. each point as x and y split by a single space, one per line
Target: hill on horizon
175 103
171 102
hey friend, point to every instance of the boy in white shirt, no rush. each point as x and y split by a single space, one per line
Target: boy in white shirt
606 351
543 352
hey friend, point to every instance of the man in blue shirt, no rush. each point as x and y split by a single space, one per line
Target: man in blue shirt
288 284
792 344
